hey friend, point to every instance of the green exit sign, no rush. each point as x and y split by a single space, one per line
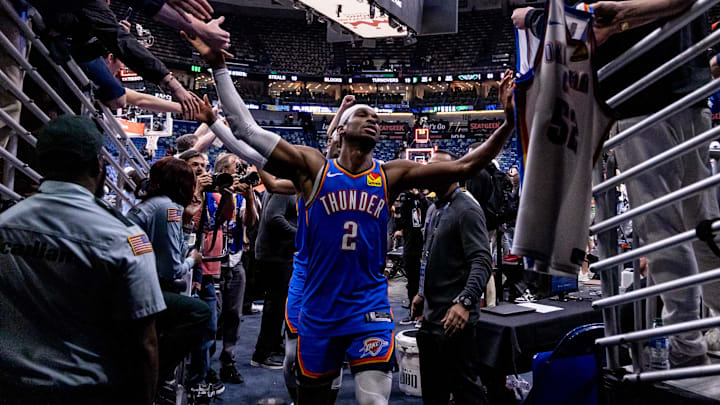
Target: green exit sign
195 68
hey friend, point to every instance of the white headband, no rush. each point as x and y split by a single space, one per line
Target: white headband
350 111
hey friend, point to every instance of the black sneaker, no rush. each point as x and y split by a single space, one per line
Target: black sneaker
406 321
269 362
230 374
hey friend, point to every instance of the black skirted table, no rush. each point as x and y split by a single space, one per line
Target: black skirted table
507 344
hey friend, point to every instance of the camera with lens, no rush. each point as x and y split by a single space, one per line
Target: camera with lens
220 181
252 179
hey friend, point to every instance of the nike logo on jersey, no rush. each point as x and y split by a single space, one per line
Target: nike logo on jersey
333 174
352 200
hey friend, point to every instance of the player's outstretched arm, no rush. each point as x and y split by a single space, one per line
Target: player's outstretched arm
283 159
216 127
405 174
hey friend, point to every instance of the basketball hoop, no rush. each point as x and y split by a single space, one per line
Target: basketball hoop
141 130
419 155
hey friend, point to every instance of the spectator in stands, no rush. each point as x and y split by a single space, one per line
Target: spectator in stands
92 26
412 210
104 71
274 249
80 291
208 210
184 323
232 276
457 267
618 26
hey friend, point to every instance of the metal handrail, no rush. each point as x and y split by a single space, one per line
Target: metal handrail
674 374
673 109
34 75
17 128
24 99
655 37
664 69
677 284
675 240
20 165
9 193
666 330
654 205
675 152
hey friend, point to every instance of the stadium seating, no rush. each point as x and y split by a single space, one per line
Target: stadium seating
303 48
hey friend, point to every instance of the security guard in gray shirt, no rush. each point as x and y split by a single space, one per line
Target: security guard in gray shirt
79 290
181 327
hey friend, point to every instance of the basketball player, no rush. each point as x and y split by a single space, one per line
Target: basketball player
345 309
293 303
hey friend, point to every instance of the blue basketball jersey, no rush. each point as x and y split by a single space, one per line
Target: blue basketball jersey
297 280
346 241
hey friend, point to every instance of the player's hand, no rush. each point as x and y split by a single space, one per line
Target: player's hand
190 105
199 8
417 307
505 95
455 319
125 25
518 17
196 286
206 112
197 256
347 102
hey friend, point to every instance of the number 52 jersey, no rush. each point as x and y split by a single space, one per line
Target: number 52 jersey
562 125
346 241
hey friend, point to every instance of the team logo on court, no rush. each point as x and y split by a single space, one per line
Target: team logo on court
374 180
372 346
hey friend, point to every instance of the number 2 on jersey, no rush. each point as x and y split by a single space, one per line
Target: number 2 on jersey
351 232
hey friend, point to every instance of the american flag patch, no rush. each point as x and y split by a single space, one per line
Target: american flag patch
174 215
140 244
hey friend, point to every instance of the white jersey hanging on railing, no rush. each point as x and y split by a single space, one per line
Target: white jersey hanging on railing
561 124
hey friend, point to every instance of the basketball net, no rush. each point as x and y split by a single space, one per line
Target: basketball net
152 141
